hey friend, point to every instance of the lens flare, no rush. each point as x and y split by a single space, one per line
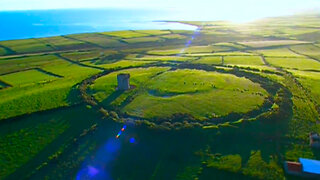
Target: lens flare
120 132
132 140
189 42
92 171
98 167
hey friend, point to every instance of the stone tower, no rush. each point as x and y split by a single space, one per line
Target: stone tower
123 81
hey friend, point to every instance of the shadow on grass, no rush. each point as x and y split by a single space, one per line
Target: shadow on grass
74 96
4 85
112 97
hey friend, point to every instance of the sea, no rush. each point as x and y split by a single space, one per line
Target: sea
46 23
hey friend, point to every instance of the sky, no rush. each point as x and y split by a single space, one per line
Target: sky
227 9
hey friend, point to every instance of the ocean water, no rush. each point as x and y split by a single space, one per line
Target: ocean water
44 23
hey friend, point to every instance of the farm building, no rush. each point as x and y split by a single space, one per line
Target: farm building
304 168
123 81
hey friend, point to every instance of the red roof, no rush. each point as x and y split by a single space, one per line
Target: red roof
294 167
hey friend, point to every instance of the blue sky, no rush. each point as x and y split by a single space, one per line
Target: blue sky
238 10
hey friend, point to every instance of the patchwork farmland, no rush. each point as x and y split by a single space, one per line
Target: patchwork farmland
228 101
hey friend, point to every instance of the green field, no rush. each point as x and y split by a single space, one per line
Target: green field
295 63
26 46
165 52
232 45
205 49
229 101
309 50
310 80
173 36
38 90
142 40
210 60
121 64
154 32
82 56
125 34
235 53
243 60
262 44
21 63
2 51
163 58
25 78
279 52
179 92
99 40
60 42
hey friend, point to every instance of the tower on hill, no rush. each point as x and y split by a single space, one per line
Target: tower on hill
123 81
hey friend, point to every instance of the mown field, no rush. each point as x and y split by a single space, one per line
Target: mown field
227 101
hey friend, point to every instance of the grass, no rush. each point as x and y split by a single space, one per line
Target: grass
143 40
41 96
154 32
215 90
26 46
257 167
165 52
309 80
105 86
2 51
216 60
234 53
61 42
295 63
213 32
260 44
230 163
163 58
173 36
121 64
21 63
205 49
298 151
243 60
278 52
21 146
309 36
97 40
81 56
200 49
309 50
69 70
232 45
126 34
33 141
25 78
148 106
183 32
21 101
